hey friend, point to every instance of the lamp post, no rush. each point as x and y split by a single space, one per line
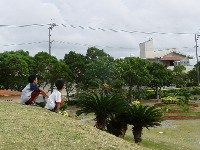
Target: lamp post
50 42
197 67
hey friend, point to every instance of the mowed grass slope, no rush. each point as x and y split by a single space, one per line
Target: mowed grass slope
30 127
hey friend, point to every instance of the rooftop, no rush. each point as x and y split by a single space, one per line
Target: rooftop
9 93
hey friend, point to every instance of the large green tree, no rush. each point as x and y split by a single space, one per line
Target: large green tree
194 74
133 71
94 53
161 76
49 69
14 69
180 75
100 70
77 64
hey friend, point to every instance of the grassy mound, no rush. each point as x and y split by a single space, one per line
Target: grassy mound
30 127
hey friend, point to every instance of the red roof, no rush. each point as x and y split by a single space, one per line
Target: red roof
9 93
171 58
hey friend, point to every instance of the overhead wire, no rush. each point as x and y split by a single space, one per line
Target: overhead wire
23 43
101 29
93 29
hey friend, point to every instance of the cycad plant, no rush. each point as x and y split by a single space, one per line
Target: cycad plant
101 105
141 116
117 125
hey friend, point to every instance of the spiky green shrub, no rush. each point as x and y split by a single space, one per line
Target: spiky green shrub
141 116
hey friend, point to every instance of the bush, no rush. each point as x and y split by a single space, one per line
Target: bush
169 92
41 104
169 100
174 100
72 102
186 109
64 106
136 103
189 84
196 91
180 102
144 94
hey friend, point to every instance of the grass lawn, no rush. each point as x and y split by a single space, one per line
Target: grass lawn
30 127
172 135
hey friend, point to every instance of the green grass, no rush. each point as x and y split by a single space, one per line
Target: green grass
173 135
30 127
151 144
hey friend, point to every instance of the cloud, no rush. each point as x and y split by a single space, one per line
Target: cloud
166 16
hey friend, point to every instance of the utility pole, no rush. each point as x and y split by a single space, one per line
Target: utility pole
197 67
50 42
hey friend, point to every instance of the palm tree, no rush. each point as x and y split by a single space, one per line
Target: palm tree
101 105
142 116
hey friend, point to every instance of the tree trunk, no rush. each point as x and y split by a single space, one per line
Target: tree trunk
130 94
157 93
52 83
117 127
101 122
137 133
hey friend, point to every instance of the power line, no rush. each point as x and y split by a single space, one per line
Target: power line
23 43
81 44
104 29
27 25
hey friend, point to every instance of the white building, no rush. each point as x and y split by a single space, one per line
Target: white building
168 57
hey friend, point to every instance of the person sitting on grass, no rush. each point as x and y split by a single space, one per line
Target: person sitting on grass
55 100
31 92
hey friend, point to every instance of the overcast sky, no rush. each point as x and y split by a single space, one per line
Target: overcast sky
116 26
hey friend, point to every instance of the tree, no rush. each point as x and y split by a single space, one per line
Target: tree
141 116
193 74
180 75
192 77
77 64
94 53
100 69
101 105
65 73
14 68
49 69
133 71
161 76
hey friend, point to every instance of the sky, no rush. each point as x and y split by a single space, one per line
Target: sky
115 26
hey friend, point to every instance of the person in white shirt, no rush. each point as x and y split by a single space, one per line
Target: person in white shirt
55 100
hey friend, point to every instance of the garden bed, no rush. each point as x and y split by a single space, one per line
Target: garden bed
175 113
161 104
180 117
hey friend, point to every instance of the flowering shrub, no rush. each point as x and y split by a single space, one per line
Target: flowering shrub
169 100
64 113
136 103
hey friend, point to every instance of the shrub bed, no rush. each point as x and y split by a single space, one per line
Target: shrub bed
180 117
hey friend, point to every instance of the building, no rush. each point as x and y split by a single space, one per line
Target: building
168 57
